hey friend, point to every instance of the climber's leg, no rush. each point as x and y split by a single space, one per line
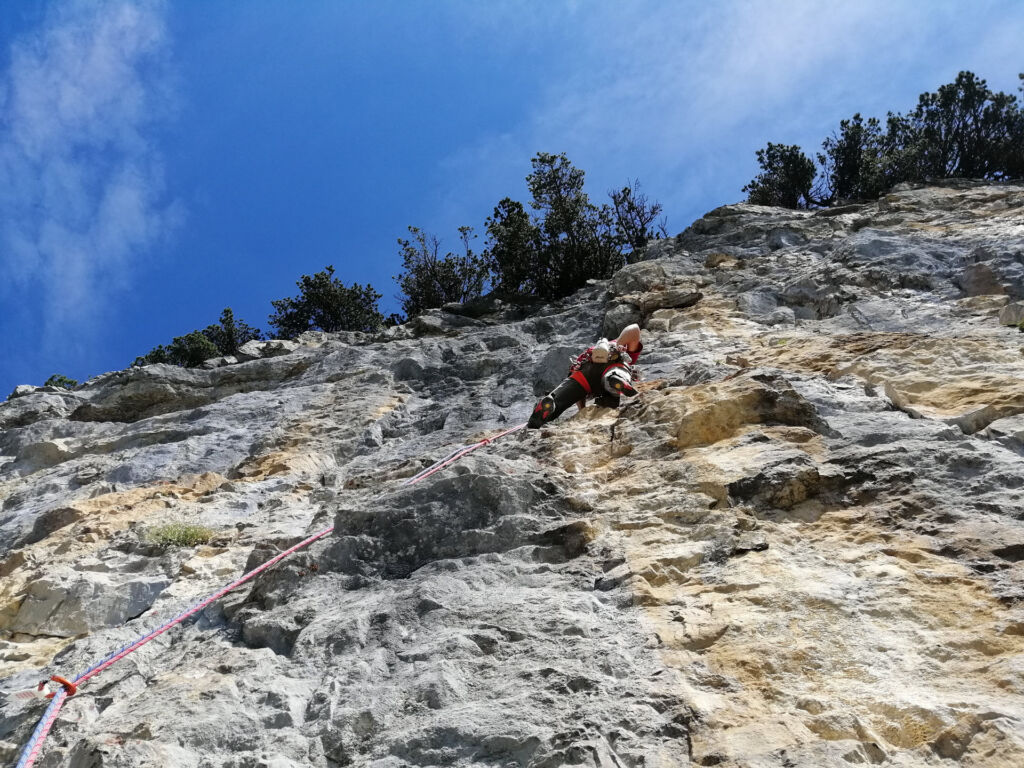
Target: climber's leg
551 406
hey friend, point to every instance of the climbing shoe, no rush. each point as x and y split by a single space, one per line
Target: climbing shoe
542 412
617 381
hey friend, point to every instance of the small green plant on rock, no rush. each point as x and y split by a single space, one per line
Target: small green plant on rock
179 535
60 380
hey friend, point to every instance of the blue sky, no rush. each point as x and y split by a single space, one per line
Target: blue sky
162 161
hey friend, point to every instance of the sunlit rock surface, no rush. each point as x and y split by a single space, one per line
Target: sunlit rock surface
802 545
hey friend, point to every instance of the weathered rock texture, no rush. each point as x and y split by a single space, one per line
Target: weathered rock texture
801 546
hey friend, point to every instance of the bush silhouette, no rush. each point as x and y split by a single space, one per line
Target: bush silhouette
193 348
429 280
324 303
786 177
230 334
59 380
963 130
568 239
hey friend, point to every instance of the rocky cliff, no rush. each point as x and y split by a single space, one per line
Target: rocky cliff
802 544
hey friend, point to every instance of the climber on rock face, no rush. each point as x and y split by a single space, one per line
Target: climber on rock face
604 371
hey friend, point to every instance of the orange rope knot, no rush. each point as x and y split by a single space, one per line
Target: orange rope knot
70 687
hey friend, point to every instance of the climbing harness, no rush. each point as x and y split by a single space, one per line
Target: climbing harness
68 688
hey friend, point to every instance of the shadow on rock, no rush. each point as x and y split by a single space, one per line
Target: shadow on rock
480 510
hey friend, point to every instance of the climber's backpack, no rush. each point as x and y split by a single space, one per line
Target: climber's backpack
603 352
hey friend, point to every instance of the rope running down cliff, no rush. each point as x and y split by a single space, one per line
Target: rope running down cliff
33 748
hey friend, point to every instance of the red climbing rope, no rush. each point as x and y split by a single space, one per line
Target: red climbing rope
118 655
35 743
453 457
69 688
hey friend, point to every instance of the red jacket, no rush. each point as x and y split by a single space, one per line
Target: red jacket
634 356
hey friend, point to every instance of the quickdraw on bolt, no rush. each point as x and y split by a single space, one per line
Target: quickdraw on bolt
46 691
70 687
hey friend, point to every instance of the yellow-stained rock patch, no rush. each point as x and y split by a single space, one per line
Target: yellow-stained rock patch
841 631
965 381
708 413
861 638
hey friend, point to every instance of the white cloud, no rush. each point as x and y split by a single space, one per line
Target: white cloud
83 197
682 93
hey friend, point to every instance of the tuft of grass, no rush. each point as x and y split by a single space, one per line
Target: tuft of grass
179 535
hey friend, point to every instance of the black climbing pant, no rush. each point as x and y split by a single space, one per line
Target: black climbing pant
572 391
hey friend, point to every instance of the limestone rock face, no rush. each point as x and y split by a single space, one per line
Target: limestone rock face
74 604
1012 314
801 545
